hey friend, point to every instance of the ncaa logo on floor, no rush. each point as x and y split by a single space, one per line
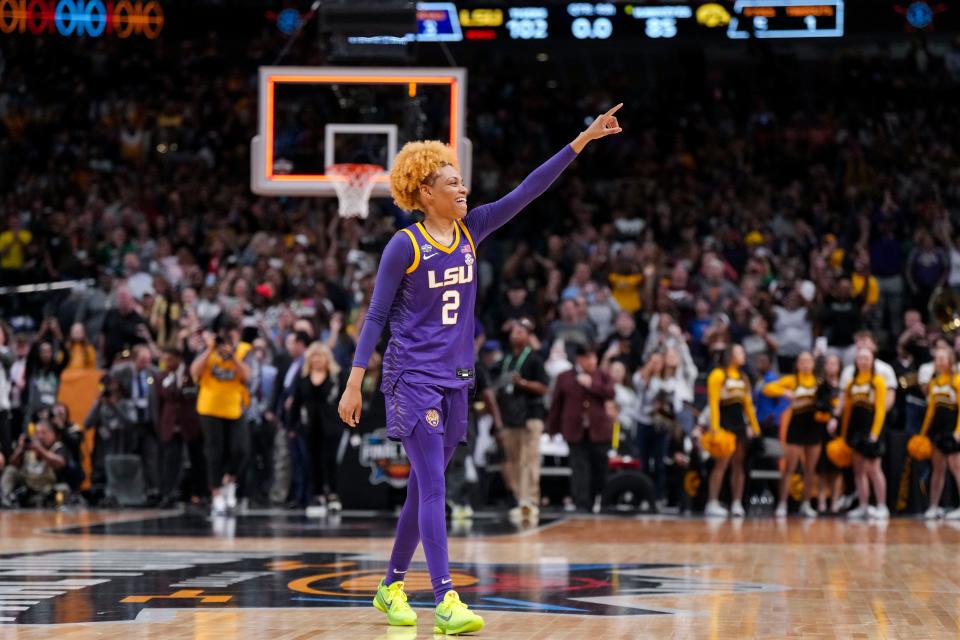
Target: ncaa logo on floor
142 586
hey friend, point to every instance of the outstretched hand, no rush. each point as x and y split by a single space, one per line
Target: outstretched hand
604 125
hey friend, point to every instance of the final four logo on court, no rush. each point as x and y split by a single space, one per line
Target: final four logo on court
71 587
385 458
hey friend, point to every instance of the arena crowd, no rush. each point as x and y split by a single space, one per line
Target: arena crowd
742 244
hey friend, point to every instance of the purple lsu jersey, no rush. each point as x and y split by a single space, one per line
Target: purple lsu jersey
432 317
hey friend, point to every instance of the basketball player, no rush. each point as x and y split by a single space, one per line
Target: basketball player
864 410
731 408
940 424
804 433
426 287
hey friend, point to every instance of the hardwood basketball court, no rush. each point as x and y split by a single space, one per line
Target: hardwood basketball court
167 575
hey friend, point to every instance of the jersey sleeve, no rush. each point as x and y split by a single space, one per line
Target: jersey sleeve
880 411
487 218
873 290
751 413
845 418
397 257
714 384
777 388
956 388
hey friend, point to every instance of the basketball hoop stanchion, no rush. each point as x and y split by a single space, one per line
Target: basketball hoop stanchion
354 184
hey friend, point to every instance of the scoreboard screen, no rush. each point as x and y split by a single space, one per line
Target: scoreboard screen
786 19
732 20
737 20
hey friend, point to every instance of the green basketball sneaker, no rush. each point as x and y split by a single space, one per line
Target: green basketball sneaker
393 602
453 617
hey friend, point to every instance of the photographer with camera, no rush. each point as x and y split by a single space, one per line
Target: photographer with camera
36 465
113 417
221 374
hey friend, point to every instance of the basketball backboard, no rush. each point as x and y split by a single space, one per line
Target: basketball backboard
313 117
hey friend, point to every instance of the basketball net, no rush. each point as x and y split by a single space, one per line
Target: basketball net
354 184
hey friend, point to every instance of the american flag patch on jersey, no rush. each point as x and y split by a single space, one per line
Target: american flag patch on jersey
465 248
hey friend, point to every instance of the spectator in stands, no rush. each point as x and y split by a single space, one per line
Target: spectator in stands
264 434
289 369
123 326
313 416
6 391
179 429
578 411
81 352
624 397
36 465
138 378
113 416
840 316
601 310
927 268
626 342
758 341
793 330
44 365
14 243
770 409
521 386
570 328
221 375
71 435
516 305
863 285
664 391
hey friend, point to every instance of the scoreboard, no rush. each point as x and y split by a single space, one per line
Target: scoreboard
665 20
742 19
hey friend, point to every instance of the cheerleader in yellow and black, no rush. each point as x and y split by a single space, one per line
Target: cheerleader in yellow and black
942 426
731 408
804 432
864 410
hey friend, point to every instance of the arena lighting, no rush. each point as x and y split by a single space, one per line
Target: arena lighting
351 79
91 18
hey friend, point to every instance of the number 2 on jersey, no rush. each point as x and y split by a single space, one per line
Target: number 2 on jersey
451 302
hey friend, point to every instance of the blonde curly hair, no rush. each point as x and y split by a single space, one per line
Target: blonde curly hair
415 163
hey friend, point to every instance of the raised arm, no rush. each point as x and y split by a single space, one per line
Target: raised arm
880 411
780 387
396 259
487 218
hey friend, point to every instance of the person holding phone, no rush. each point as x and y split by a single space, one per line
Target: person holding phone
221 375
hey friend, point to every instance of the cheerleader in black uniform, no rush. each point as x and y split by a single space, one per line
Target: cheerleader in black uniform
864 410
804 433
941 425
830 477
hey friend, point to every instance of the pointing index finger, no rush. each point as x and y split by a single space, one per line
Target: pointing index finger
613 110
